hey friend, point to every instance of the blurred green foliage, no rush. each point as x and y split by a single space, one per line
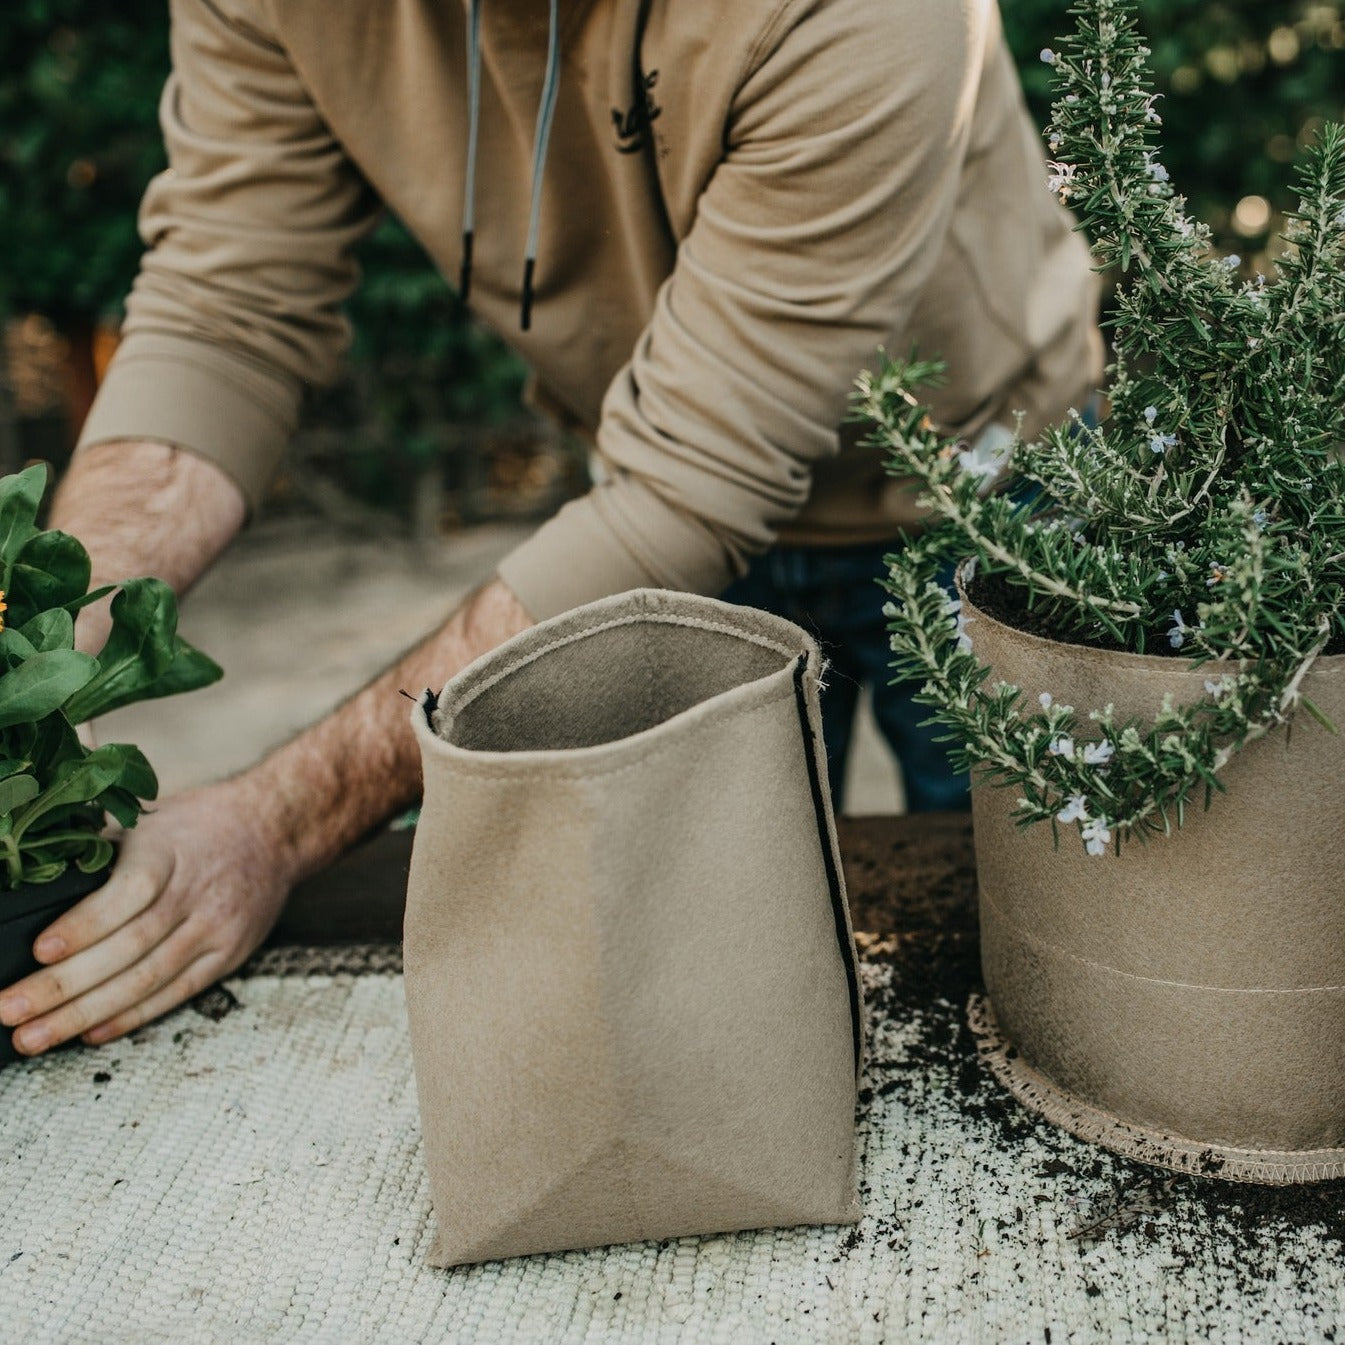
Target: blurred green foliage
1245 82
79 138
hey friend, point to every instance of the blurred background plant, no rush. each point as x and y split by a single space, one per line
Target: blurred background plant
427 429
1246 85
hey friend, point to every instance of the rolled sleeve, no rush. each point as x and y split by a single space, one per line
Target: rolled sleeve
184 392
811 245
249 234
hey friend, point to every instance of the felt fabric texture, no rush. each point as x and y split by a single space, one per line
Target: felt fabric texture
618 803
1192 987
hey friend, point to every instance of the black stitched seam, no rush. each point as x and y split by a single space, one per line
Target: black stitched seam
810 750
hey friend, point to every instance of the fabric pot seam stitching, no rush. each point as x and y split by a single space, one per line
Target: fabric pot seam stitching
830 861
1040 942
456 706
465 762
1134 1139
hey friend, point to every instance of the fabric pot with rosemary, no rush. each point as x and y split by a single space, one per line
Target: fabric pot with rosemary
1183 1000
630 973
1144 669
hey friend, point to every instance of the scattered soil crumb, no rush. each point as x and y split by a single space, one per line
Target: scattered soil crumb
217 1003
1101 1197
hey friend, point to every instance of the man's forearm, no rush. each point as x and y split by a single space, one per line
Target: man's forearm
320 793
142 508
150 509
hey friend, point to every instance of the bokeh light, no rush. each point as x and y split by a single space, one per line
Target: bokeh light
1251 216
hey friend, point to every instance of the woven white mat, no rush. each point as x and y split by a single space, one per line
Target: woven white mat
259 1179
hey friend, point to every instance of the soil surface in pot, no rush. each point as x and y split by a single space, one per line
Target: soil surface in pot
1007 603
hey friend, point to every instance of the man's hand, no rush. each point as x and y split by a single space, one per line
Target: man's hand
196 887
202 878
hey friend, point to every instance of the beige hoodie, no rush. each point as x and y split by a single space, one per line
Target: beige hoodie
795 183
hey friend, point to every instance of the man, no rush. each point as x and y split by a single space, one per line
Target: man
698 221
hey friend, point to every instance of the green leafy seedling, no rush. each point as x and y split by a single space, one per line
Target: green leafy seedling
55 792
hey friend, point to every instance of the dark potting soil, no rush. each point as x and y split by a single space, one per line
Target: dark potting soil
1189 1220
914 896
1008 604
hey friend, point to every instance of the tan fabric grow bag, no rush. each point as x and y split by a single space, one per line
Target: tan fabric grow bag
1183 1002
630 972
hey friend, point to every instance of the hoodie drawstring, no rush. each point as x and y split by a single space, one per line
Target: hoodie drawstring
541 141
473 129
545 115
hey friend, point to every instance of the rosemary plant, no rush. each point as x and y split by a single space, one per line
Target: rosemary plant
1204 518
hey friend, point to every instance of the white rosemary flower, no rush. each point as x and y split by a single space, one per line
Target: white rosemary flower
1177 635
1096 835
1075 810
1061 746
1098 753
1061 180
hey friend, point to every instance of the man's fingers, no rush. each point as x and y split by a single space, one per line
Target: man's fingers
118 995
191 981
135 884
189 899
81 972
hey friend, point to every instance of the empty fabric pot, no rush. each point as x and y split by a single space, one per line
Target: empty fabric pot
630 972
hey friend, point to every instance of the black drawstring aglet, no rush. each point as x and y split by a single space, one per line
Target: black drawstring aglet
429 700
525 313
465 273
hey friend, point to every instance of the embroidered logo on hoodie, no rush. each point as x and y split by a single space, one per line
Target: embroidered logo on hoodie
632 125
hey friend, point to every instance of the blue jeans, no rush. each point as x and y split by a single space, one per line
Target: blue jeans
833 593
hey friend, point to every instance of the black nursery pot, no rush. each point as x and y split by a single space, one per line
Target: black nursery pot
24 914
